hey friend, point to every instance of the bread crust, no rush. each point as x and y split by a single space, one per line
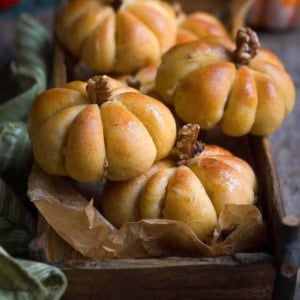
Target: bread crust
122 40
119 139
194 193
253 98
199 25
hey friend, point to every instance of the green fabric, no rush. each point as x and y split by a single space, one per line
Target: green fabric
22 279
17 224
16 157
30 67
27 280
15 149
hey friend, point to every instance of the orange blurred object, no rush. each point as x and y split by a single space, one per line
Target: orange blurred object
274 14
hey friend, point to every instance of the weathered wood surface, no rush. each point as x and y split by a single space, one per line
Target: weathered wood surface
172 278
48 246
283 228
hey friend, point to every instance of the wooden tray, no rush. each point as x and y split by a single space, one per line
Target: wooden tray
270 274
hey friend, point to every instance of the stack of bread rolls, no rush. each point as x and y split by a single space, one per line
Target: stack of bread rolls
108 128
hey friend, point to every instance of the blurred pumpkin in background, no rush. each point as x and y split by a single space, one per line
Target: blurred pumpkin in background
274 14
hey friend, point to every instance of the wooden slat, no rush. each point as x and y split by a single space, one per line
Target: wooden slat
283 229
183 278
59 68
49 247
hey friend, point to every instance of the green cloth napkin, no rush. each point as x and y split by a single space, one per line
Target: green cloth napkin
30 67
17 224
22 279
16 157
27 280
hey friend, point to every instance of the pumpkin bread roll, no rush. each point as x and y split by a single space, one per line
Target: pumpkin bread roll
194 191
121 37
120 200
110 130
242 88
190 27
198 25
193 26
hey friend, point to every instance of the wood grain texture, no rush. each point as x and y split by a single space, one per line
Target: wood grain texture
172 278
48 246
283 228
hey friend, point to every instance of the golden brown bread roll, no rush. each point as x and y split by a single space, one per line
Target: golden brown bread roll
226 178
244 89
177 194
120 199
112 131
198 25
194 193
190 27
121 37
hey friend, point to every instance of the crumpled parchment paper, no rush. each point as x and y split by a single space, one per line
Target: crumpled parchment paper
75 219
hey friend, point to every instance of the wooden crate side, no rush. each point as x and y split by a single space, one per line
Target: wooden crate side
183 278
49 247
283 229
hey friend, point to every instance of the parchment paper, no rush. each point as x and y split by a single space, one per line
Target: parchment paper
75 219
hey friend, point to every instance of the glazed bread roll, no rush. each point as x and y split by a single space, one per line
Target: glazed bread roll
194 193
242 88
198 25
117 38
113 131
226 178
177 194
120 200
